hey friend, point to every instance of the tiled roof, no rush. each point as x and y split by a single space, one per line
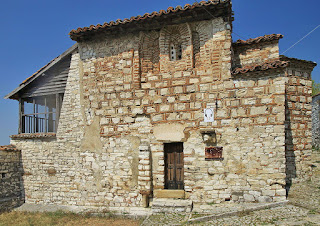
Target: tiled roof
285 58
33 136
265 38
171 10
8 148
260 67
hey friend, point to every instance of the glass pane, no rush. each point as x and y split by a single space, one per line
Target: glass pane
51 104
39 115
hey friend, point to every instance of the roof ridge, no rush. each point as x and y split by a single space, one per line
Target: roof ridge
169 10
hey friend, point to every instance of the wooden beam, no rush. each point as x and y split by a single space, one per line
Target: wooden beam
34 116
21 117
58 100
45 115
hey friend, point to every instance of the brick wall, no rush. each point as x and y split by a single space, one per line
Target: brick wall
256 53
298 123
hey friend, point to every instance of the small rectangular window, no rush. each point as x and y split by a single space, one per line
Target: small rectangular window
175 52
179 52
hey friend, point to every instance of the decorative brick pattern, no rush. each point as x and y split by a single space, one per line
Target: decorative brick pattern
298 123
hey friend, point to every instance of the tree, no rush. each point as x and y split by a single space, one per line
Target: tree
315 88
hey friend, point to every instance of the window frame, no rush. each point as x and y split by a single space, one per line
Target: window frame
35 121
175 51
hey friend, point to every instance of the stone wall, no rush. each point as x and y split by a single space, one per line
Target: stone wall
256 53
11 184
316 121
123 102
298 123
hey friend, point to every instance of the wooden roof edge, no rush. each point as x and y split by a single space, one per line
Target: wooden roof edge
41 71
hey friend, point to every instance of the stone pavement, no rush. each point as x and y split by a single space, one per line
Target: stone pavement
282 215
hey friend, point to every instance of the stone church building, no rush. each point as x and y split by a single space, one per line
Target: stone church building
165 106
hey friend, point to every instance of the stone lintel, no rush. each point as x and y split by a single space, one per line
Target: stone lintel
175 194
170 132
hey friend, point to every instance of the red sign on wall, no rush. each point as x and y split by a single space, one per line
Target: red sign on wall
213 153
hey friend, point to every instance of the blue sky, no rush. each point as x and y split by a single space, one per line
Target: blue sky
33 32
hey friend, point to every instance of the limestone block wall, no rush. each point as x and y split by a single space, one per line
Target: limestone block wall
298 123
249 113
316 121
78 168
256 53
11 183
250 128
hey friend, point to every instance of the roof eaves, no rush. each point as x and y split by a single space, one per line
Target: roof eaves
9 147
311 63
260 67
261 39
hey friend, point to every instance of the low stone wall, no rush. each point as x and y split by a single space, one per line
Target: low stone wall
11 184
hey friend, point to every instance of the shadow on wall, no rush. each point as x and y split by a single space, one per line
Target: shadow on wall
289 150
12 192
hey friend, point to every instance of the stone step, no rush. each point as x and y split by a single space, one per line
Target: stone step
171 205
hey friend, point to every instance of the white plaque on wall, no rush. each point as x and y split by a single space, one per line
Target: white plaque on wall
208 115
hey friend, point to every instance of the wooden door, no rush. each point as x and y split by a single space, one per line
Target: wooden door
174 172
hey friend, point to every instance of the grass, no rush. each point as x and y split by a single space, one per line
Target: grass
313 211
316 149
61 218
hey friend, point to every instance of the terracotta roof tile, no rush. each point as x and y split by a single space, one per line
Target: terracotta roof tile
8 148
76 32
265 38
285 58
260 67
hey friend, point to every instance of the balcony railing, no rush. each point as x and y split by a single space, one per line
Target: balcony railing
38 123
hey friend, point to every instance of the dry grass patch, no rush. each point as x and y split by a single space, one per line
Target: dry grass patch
61 218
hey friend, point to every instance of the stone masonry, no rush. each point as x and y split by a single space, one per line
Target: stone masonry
11 184
316 121
125 99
